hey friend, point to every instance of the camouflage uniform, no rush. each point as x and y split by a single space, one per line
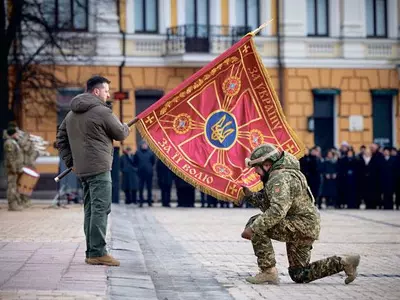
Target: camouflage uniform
30 155
13 164
289 215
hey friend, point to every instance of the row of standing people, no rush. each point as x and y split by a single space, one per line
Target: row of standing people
137 176
346 179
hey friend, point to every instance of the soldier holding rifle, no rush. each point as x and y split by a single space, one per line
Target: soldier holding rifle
85 141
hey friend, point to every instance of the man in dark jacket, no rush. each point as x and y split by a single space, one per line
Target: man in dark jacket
145 161
85 141
129 176
376 167
388 178
164 179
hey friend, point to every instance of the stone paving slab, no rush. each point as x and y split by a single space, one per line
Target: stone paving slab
131 280
176 274
212 237
180 253
42 256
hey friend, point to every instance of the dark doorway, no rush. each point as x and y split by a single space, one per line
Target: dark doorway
324 121
144 99
382 118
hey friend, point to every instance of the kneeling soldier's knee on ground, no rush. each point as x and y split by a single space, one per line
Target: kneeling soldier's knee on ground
299 275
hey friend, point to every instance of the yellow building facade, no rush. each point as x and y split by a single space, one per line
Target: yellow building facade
339 74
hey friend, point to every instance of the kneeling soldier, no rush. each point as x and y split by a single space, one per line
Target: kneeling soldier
289 215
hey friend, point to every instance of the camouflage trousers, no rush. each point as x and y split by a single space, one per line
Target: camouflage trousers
298 250
25 200
13 197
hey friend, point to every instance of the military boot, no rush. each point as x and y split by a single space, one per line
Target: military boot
106 260
27 204
269 275
350 264
13 206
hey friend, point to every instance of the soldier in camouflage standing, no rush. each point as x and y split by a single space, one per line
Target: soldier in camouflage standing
289 215
13 163
30 155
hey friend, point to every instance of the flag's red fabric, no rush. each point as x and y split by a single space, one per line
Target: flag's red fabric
205 128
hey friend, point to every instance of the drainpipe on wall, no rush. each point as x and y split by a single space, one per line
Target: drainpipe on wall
281 76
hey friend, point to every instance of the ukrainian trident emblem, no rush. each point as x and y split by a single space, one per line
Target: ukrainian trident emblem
221 129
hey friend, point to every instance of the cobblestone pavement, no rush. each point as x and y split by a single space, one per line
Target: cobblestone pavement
42 254
211 237
177 253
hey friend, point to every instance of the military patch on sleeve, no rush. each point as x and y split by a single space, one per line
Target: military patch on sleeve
8 147
277 188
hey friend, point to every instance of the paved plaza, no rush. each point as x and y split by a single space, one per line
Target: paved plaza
193 253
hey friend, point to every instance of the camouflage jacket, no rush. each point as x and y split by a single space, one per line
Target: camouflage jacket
286 195
14 158
28 150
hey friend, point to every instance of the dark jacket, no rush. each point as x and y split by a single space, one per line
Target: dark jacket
164 175
330 172
85 137
145 160
129 173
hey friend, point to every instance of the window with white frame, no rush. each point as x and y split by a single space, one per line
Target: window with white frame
317 18
376 18
247 13
146 16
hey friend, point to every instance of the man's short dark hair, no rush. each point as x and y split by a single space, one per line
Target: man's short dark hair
94 82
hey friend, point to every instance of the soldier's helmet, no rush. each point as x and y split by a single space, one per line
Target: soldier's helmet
262 153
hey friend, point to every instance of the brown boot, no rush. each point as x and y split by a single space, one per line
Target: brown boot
27 204
270 275
350 264
106 260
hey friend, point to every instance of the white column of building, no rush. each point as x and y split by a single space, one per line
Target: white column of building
354 18
353 25
106 22
294 17
398 18
130 16
215 12
181 12
164 15
334 18
393 18
265 16
232 12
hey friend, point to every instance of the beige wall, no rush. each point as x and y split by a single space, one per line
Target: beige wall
355 99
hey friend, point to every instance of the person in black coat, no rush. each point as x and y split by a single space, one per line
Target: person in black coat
388 179
397 176
329 185
164 178
185 192
129 176
145 160
347 181
376 168
314 168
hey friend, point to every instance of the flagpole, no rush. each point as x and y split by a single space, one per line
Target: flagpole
261 27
